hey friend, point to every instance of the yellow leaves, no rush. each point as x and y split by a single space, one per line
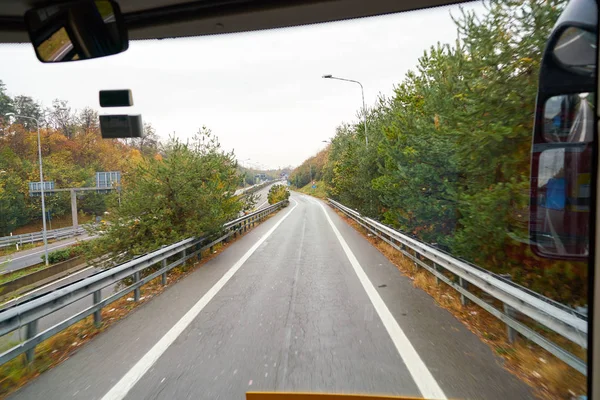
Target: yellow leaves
436 121
158 157
135 156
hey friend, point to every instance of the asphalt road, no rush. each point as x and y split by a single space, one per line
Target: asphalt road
26 258
300 303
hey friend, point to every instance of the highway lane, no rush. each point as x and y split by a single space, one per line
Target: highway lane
27 258
297 304
65 312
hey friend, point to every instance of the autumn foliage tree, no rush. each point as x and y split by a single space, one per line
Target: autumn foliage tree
72 152
310 169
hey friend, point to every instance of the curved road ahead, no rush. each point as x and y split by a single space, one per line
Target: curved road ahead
300 303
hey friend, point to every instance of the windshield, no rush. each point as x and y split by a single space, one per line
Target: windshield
346 207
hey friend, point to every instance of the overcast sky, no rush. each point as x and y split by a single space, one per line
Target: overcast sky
261 93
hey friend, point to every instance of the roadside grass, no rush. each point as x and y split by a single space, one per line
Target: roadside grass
549 377
16 373
320 191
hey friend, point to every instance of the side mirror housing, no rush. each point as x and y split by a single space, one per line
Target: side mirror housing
563 150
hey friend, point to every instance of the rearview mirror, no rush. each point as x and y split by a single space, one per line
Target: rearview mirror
569 118
77 30
561 182
560 200
575 50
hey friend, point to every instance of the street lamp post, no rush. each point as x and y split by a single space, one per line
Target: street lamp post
362 91
45 236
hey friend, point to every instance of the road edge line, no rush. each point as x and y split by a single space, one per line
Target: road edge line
426 383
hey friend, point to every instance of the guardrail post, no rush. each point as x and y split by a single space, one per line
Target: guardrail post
136 291
97 295
30 331
199 250
437 268
212 249
164 274
465 285
510 312
510 332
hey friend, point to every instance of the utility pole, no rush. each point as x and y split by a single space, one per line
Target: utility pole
44 233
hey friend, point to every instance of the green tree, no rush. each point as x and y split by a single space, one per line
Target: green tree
278 193
6 105
26 106
189 192
12 200
451 147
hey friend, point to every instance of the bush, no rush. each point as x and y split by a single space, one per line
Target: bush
57 256
278 193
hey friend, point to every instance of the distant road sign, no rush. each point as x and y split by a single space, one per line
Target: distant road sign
35 187
107 180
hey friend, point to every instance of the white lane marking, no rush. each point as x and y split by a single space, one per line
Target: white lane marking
120 390
568 42
258 208
48 284
417 368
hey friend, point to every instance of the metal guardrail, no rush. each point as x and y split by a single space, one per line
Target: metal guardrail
28 313
54 234
515 299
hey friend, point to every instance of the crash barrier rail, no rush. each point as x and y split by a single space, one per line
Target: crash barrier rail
54 234
256 188
28 313
515 299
